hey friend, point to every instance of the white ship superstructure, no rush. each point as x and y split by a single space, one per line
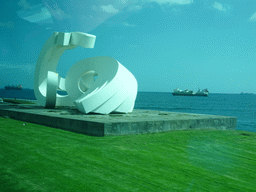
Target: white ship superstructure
178 92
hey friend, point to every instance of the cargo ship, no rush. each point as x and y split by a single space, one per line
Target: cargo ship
13 87
178 92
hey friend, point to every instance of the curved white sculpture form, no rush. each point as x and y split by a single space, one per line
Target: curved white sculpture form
51 89
48 60
98 84
115 88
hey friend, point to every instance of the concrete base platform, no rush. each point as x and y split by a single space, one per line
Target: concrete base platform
137 122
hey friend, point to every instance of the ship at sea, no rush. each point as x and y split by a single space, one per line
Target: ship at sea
178 92
13 87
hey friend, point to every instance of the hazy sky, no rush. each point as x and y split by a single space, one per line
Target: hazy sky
166 44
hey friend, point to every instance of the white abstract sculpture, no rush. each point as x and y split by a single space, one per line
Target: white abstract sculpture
98 84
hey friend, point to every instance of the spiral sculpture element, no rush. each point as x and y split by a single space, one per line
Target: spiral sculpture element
99 84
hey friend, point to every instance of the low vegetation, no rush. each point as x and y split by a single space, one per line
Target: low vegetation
14 101
38 158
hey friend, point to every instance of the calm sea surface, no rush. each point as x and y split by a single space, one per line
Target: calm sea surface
241 106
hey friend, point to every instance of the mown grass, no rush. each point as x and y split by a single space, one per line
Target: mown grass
38 158
14 101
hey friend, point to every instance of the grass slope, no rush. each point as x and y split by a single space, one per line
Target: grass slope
38 158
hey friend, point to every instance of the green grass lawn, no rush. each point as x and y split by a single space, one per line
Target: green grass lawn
38 158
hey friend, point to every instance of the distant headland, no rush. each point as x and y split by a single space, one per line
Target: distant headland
242 93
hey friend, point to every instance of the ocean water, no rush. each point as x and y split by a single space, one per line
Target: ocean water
241 106
19 94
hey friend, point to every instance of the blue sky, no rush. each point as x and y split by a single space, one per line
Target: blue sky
166 44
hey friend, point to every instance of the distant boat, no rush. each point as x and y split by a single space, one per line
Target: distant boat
178 92
13 87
